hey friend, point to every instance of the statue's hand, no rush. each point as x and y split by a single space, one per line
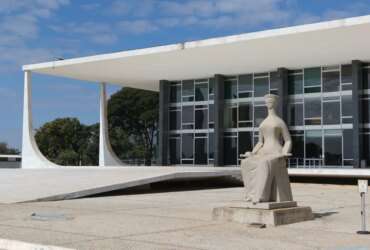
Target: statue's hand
286 154
246 155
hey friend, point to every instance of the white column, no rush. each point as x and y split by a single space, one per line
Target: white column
106 155
31 155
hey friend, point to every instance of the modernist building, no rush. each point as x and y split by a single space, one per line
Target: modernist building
211 92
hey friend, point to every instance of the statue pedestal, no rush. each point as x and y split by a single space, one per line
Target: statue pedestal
266 213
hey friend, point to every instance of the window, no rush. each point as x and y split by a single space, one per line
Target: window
188 91
331 112
175 151
201 92
210 146
367 78
245 86
211 88
188 117
201 119
330 81
230 116
230 150
201 151
346 75
366 149
347 109
295 82
295 114
366 110
211 114
231 90
313 145
312 80
333 147
175 93
261 86
245 142
347 146
274 83
187 148
312 111
175 119
245 115
260 113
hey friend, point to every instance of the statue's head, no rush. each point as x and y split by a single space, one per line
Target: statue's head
271 101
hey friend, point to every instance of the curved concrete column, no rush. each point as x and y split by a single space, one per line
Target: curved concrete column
31 155
106 155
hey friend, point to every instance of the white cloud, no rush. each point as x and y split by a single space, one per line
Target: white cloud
19 25
137 26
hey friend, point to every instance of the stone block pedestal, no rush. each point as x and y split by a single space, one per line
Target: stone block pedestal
267 213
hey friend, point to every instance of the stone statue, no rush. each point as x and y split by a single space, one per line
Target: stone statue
264 170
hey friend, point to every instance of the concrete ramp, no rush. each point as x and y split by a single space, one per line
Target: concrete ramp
24 185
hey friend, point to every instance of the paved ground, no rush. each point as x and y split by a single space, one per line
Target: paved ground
182 220
19 185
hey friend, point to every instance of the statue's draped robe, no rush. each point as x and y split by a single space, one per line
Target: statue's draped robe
265 174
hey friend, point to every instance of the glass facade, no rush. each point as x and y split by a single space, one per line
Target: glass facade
191 115
319 110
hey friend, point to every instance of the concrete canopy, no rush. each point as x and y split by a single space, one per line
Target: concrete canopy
325 43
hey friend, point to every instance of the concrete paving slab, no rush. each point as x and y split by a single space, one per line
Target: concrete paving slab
21 185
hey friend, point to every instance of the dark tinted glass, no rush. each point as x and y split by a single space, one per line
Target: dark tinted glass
187 88
245 142
210 146
201 92
333 150
245 83
331 112
347 105
296 114
347 144
187 146
274 80
201 119
330 81
230 89
295 84
175 93
230 152
367 149
312 108
366 110
187 114
367 78
211 86
245 111
211 112
261 87
175 151
175 120
298 147
314 144
346 73
201 151
230 117
260 113
312 77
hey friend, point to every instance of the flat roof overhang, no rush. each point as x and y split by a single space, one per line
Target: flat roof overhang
325 43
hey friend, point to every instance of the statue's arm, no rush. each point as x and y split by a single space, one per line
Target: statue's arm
287 148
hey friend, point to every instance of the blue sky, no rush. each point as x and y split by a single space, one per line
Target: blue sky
42 30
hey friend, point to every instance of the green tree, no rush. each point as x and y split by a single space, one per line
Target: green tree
133 122
63 141
5 149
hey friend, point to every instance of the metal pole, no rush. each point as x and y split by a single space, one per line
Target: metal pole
363 215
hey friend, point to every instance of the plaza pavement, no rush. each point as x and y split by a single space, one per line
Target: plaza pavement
182 220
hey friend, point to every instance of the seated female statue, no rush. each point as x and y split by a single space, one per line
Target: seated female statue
264 170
